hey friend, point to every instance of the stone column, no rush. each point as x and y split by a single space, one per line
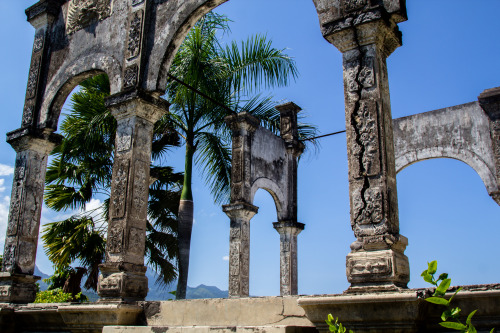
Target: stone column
490 102
288 256
239 247
366 35
17 283
122 276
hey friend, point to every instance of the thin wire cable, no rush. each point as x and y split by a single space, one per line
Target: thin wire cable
234 112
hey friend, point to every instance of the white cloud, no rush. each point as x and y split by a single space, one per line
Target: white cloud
225 258
4 217
6 170
2 183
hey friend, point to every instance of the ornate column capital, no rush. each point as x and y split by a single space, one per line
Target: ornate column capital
490 102
40 141
43 12
382 33
137 103
240 210
288 227
242 121
289 128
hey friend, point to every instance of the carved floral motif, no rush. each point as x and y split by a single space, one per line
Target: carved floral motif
115 239
27 115
82 13
137 2
136 240
368 207
33 77
130 76
38 43
135 35
9 257
350 5
119 193
140 189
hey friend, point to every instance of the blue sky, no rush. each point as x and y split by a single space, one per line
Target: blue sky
450 55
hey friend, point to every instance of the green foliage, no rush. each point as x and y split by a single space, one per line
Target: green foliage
58 296
451 316
81 169
336 327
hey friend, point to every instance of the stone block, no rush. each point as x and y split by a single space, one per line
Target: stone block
17 288
378 270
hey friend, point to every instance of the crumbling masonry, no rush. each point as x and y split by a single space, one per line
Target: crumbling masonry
134 42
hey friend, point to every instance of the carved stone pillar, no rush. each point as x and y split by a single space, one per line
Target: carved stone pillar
17 283
490 102
288 256
367 34
123 277
239 247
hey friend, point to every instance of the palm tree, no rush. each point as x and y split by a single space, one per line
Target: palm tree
229 75
81 168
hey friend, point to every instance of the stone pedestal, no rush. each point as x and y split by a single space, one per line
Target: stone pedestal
122 276
378 266
239 247
288 256
366 35
17 283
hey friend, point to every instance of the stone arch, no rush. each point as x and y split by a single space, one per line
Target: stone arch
69 76
272 188
468 157
185 14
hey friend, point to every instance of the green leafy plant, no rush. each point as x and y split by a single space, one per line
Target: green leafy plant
336 327
451 316
58 296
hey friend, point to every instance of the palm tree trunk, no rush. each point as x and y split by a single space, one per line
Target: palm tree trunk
185 221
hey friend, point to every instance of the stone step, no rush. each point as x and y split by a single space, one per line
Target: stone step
209 329
235 312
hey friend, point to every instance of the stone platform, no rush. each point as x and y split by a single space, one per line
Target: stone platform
393 312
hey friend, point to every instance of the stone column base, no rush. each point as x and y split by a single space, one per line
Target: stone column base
17 288
122 282
378 266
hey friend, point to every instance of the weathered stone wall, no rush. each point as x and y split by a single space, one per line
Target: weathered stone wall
460 132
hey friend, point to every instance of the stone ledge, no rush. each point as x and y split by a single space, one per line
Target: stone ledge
209 329
404 311
88 318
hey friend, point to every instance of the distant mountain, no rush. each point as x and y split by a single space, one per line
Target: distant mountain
203 291
41 283
156 292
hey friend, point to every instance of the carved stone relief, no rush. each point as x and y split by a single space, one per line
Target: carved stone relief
124 138
27 252
115 238
350 5
119 193
39 40
136 240
82 13
110 284
5 291
9 257
140 200
365 149
357 75
27 115
234 258
237 166
33 77
15 210
368 206
370 267
131 76
135 35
